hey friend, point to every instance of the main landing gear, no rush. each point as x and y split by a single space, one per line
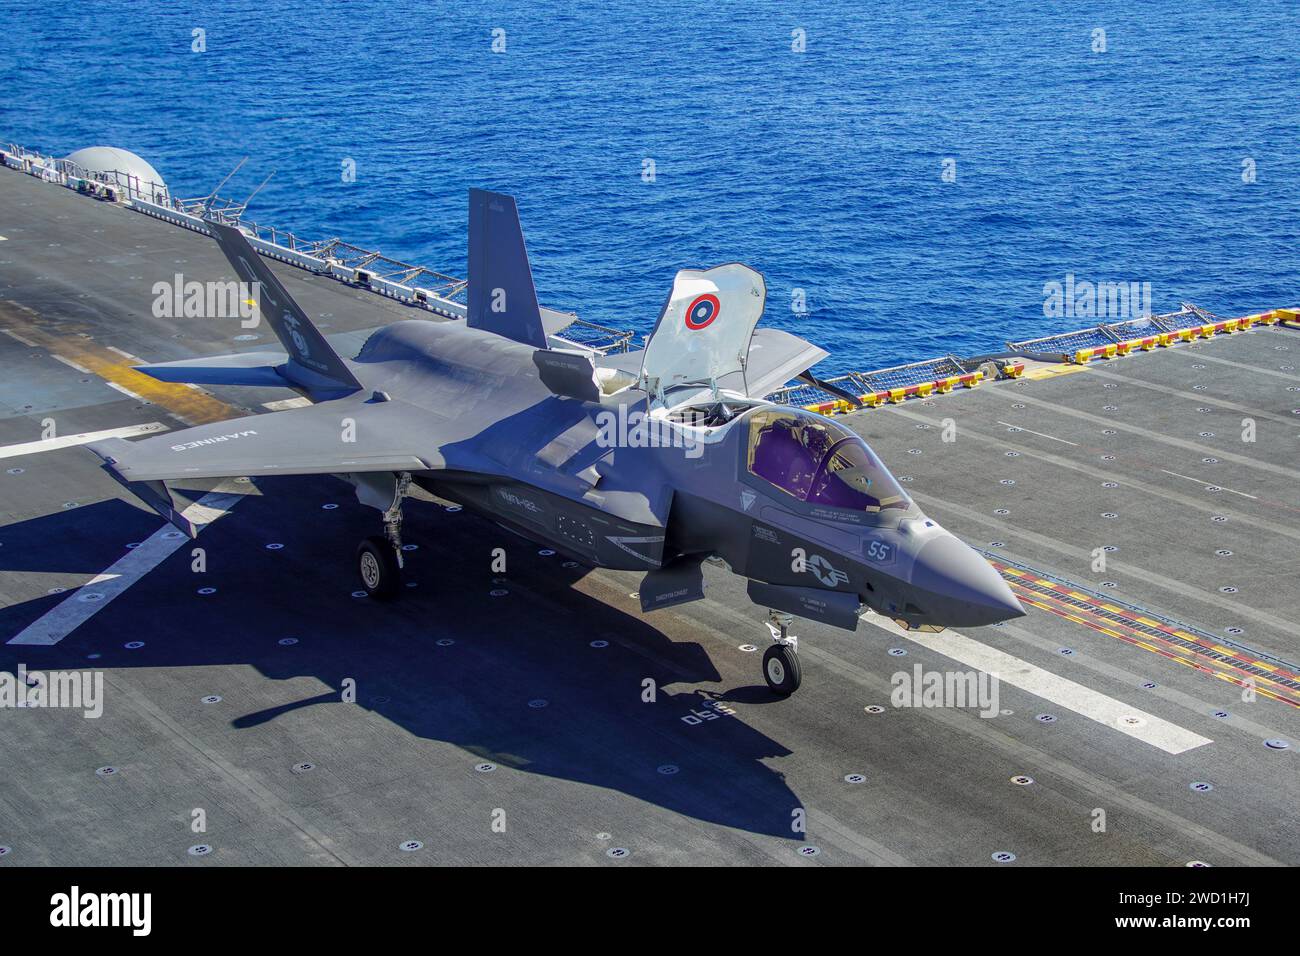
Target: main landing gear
379 557
781 667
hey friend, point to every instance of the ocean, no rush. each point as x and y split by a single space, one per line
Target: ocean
909 178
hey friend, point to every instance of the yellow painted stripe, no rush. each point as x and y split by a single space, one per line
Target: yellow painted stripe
1051 371
1224 670
189 404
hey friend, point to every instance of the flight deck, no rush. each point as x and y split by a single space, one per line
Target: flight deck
1146 511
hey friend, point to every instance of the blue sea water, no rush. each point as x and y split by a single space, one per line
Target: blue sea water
821 168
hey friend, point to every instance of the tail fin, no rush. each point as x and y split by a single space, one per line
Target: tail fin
313 364
502 298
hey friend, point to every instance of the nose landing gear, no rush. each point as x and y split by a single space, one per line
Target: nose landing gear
781 667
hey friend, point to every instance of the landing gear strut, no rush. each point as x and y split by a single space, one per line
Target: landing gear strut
781 667
379 557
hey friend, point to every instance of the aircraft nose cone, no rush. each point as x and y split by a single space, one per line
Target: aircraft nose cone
970 591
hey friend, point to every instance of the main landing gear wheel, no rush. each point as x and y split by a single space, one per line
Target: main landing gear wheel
781 669
379 557
381 574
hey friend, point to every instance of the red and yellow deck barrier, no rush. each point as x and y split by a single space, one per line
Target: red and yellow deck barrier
1146 343
1162 339
895 396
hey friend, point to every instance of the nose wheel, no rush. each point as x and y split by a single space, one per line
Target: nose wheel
781 667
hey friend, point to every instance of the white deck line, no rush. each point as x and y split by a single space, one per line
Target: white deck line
286 403
1094 705
126 391
70 364
1209 484
82 438
18 338
80 606
1030 431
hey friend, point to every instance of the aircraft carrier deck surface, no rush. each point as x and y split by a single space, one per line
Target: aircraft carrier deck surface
484 698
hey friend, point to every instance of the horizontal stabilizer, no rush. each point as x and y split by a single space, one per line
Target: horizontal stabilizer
244 368
836 608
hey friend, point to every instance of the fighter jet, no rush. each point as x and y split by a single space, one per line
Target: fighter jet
653 460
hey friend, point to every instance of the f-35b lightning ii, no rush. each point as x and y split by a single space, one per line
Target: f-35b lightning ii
653 460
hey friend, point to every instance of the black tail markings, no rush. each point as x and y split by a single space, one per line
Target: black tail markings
313 363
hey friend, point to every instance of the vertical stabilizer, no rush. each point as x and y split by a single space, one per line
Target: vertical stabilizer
313 364
502 298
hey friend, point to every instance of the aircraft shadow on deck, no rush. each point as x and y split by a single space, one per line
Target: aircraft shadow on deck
477 693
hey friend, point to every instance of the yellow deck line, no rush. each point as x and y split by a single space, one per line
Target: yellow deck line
1051 371
1224 670
189 404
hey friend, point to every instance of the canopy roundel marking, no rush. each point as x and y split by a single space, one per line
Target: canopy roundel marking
702 311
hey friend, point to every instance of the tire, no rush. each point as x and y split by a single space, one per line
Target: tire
377 565
781 669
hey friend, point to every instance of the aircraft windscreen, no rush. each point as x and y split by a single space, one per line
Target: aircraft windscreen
818 461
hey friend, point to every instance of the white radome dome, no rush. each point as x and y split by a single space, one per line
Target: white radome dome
136 175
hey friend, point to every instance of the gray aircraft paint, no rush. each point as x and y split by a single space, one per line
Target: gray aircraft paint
477 413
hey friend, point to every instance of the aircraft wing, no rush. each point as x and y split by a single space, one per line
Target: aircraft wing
242 368
329 438
774 358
